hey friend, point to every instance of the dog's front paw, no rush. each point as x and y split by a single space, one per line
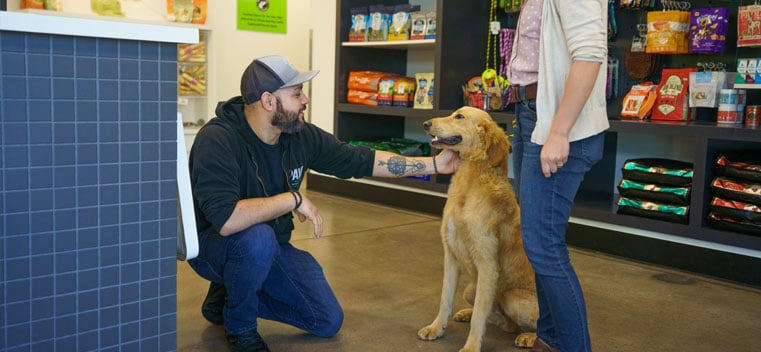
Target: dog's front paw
430 332
463 316
525 340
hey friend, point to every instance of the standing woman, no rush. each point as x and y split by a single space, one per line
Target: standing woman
558 76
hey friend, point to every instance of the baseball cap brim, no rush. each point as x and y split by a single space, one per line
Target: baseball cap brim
301 78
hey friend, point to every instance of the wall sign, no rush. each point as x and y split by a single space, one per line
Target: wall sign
263 15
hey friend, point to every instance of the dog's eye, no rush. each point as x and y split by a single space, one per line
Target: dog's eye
459 116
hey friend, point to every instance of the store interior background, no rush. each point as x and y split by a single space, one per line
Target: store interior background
309 43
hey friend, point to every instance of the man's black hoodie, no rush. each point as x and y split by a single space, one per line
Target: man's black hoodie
224 169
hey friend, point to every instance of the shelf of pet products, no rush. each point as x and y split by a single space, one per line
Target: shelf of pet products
505 117
395 44
706 129
601 207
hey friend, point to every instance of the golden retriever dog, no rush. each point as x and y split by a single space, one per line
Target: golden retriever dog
480 229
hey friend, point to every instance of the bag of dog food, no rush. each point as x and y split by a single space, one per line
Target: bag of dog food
361 97
672 101
654 210
736 190
742 165
668 32
721 222
359 21
749 25
708 30
654 192
664 172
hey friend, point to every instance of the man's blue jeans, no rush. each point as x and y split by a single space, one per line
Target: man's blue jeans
268 280
545 209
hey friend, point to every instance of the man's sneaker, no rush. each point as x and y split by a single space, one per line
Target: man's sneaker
247 342
214 304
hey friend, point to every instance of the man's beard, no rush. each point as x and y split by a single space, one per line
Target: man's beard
287 121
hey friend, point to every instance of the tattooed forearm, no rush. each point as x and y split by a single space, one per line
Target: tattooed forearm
400 166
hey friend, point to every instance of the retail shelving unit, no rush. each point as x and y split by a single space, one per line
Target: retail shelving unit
458 53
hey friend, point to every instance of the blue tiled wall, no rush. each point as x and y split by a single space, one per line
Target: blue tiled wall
87 194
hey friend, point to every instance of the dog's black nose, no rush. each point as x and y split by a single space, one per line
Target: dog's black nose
427 125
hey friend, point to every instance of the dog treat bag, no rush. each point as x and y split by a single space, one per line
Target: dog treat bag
359 23
667 32
705 88
708 30
749 25
671 103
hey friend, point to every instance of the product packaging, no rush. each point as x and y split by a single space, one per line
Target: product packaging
749 25
378 26
359 24
708 30
430 25
672 101
418 26
705 87
668 32
638 103
399 28
424 92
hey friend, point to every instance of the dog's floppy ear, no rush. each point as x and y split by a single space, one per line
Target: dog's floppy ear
497 146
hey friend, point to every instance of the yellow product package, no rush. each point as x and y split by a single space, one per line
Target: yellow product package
668 32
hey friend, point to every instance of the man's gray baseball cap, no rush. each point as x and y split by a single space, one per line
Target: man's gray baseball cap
268 74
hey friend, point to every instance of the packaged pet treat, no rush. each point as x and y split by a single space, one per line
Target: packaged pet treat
668 32
378 27
359 22
749 25
404 91
386 91
708 30
424 91
430 25
705 88
638 103
399 27
672 101
418 26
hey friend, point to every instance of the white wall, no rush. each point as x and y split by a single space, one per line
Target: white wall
234 49
323 26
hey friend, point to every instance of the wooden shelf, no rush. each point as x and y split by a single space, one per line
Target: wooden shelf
747 86
395 44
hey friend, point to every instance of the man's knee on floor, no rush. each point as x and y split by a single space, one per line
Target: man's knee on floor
330 324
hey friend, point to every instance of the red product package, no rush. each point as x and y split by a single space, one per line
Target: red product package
672 101
749 25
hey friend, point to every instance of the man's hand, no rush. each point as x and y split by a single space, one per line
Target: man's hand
447 162
308 210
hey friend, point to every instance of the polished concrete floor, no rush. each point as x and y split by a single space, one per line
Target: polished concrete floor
385 266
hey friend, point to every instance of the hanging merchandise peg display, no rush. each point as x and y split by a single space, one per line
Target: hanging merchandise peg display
489 91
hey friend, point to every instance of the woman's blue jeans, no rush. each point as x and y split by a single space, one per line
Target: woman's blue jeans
545 209
268 280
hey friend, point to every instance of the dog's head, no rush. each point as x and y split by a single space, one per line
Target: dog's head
472 133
